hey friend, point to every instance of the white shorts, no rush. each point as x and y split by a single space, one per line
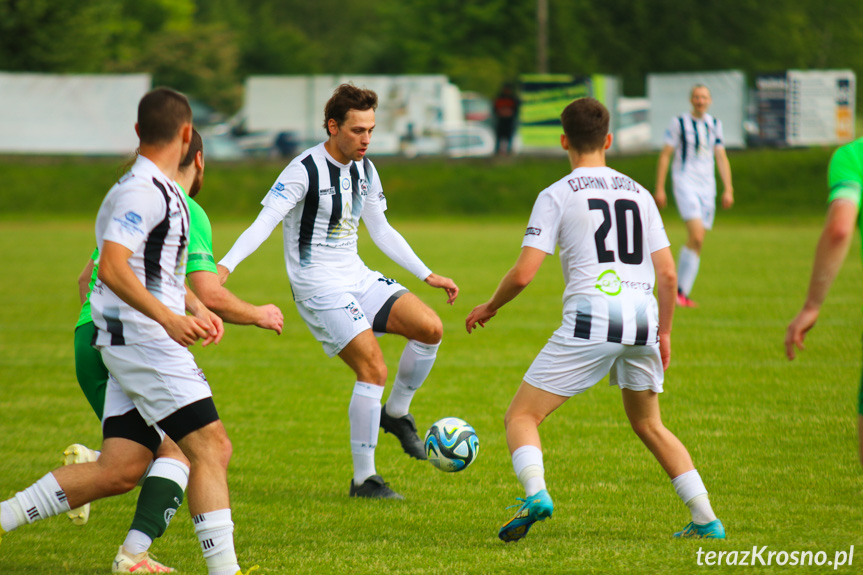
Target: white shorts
568 365
695 203
336 319
156 377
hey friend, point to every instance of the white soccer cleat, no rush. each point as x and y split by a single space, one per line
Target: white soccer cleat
77 453
140 563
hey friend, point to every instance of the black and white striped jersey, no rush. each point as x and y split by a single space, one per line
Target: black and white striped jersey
694 142
607 227
321 202
148 214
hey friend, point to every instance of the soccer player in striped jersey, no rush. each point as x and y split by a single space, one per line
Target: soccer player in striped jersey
155 388
695 139
613 250
160 493
319 199
845 178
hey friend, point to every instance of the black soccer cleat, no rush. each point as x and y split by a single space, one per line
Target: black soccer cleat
405 429
373 488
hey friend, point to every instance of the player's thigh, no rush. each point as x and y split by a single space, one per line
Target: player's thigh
641 406
413 319
535 403
90 370
567 365
364 356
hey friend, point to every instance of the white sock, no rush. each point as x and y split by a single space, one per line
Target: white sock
364 413
527 463
414 367
691 490
136 542
215 531
687 270
43 499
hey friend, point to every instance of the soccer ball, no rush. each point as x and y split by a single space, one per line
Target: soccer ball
451 444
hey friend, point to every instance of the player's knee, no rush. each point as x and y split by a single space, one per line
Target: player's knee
696 241
373 372
648 429
432 331
118 480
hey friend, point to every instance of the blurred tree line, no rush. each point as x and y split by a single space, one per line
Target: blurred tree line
206 48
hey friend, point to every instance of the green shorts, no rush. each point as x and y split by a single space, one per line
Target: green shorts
89 368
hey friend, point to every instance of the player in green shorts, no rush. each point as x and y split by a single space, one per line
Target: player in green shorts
845 177
160 495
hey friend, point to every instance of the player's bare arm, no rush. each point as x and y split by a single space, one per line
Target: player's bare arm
223 273
832 248
661 172
208 287
666 296
84 280
444 283
215 327
512 284
724 167
114 271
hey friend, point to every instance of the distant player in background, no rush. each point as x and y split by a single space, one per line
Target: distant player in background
319 199
695 139
611 240
505 108
160 493
845 177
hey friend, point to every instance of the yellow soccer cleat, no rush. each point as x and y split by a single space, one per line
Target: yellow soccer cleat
77 453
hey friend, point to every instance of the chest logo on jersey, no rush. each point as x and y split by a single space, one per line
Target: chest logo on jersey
331 191
609 283
345 184
533 231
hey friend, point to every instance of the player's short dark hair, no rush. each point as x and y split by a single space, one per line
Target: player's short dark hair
348 97
161 114
696 87
195 146
585 123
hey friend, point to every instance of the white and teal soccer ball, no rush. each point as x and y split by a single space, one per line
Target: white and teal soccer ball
451 444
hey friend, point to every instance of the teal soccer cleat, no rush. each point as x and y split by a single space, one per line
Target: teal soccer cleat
534 508
712 530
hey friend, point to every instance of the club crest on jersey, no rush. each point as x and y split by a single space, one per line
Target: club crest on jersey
364 187
354 312
345 184
533 231
609 283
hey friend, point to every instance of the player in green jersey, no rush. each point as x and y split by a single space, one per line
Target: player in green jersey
845 177
160 495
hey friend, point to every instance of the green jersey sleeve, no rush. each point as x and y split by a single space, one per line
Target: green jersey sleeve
845 174
85 316
200 240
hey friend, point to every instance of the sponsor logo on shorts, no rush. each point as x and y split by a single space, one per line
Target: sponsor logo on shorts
331 191
354 311
386 280
533 231
169 514
200 373
608 283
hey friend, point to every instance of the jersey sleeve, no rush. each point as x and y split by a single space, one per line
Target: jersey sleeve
720 135
544 224
656 236
200 240
290 188
672 133
376 201
845 176
134 214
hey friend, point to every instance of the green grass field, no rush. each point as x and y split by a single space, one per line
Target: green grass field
774 441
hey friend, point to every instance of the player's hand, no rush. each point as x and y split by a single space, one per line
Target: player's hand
447 284
665 350
186 329
797 330
660 198
223 273
210 322
479 316
727 198
270 317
